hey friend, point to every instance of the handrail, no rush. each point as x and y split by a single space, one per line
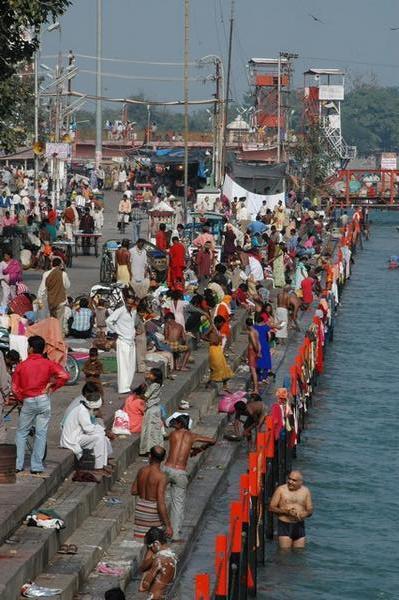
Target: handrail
236 562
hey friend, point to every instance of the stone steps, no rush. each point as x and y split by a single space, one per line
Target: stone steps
81 506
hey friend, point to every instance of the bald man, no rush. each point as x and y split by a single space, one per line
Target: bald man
292 503
150 487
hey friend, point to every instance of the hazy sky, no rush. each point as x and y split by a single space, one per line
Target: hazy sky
355 35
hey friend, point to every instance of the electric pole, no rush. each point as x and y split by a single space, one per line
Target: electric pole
227 95
99 141
186 98
36 122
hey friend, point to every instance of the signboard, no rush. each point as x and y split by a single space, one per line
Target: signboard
60 150
389 161
331 92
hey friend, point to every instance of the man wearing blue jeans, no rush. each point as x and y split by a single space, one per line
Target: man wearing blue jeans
32 383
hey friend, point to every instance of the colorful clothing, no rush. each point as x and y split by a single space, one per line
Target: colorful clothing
220 370
264 362
145 516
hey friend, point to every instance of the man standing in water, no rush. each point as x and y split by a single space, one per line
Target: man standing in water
292 503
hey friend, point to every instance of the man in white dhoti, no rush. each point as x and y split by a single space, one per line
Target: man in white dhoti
80 431
139 267
121 322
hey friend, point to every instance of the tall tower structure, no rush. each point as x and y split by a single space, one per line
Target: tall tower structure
270 80
324 91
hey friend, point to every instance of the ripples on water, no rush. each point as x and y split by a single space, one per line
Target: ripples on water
349 453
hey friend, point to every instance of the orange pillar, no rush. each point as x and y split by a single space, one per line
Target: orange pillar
221 568
202 587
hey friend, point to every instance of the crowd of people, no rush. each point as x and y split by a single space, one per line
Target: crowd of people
268 266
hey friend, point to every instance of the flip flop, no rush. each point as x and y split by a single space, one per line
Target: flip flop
63 549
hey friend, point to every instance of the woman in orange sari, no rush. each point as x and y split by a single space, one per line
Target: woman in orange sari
223 310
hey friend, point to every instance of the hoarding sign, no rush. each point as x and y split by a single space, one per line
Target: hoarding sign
60 150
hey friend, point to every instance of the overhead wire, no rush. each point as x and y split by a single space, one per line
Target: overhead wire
127 60
142 77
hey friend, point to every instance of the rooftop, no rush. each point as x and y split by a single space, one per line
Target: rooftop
324 72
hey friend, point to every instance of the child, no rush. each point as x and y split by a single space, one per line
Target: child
101 314
93 369
151 432
135 408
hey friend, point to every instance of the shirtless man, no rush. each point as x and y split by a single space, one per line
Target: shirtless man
253 352
292 503
254 411
158 565
175 337
150 486
289 300
181 442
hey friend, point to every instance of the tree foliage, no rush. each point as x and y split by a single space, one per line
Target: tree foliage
20 22
370 118
313 158
19 28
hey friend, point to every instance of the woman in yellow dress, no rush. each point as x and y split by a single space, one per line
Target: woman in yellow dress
220 370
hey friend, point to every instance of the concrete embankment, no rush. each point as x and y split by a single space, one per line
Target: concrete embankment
91 523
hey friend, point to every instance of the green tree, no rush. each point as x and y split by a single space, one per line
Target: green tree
16 111
313 158
370 118
20 22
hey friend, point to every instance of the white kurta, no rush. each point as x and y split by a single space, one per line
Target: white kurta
78 432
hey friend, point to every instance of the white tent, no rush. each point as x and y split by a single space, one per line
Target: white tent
231 189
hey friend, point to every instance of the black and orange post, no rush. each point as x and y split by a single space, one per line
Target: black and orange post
270 481
202 587
253 523
244 501
262 496
235 540
221 568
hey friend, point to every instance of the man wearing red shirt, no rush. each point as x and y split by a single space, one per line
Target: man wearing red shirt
161 239
204 262
307 290
32 382
177 263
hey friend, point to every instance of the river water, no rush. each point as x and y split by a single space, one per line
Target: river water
349 453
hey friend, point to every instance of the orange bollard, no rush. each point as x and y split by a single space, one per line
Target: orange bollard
202 587
253 523
253 474
244 501
261 447
221 568
244 497
236 543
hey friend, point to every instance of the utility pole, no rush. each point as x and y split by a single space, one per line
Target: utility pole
227 95
36 121
71 62
279 108
186 98
285 69
216 128
99 141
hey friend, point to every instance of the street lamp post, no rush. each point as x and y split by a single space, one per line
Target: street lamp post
99 142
